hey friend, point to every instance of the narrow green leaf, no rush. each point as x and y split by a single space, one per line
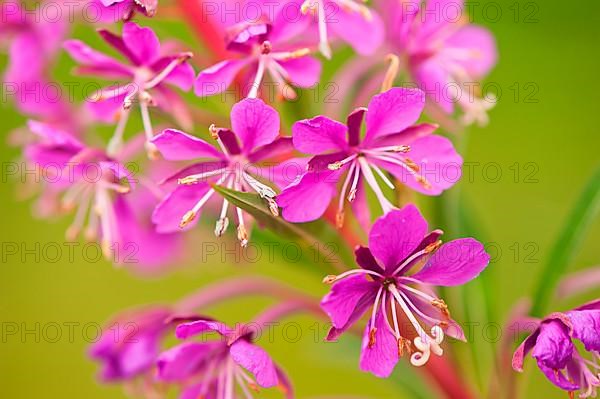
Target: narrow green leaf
318 235
567 243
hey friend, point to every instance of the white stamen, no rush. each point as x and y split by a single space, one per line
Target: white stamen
116 141
370 178
383 176
253 93
168 69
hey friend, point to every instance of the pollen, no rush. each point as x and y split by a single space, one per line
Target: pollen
187 180
334 166
433 247
404 346
187 218
372 340
441 305
339 219
214 132
330 279
412 165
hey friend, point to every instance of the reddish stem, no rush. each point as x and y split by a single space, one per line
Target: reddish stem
204 27
444 374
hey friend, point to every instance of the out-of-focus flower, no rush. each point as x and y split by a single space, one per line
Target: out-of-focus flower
131 343
213 369
445 54
349 20
150 71
87 179
551 345
33 40
115 10
264 50
399 242
234 166
392 142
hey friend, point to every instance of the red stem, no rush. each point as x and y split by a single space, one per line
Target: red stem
204 28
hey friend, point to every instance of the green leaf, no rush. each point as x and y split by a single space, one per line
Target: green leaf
324 241
568 242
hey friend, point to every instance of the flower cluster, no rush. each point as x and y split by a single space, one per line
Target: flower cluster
148 188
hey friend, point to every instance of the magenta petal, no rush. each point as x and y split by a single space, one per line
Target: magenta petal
142 42
341 302
303 71
433 78
181 361
363 34
187 330
280 146
167 215
407 136
255 123
318 135
354 123
455 263
256 360
396 235
307 199
50 134
438 163
217 78
522 351
586 328
118 43
383 356
366 260
393 111
181 76
175 145
102 64
480 44
558 378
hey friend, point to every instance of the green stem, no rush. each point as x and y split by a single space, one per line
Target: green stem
569 240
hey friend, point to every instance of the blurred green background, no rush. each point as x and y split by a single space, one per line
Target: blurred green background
545 126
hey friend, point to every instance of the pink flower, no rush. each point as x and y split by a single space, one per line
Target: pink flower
33 42
130 343
149 72
445 55
398 243
551 344
264 49
213 369
256 125
349 20
89 181
423 161
113 10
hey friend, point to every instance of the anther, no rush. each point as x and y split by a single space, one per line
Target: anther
339 219
441 305
433 247
265 47
411 165
214 131
242 235
352 195
188 180
330 279
404 345
401 148
187 218
335 165
372 337
273 207
423 181
221 226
